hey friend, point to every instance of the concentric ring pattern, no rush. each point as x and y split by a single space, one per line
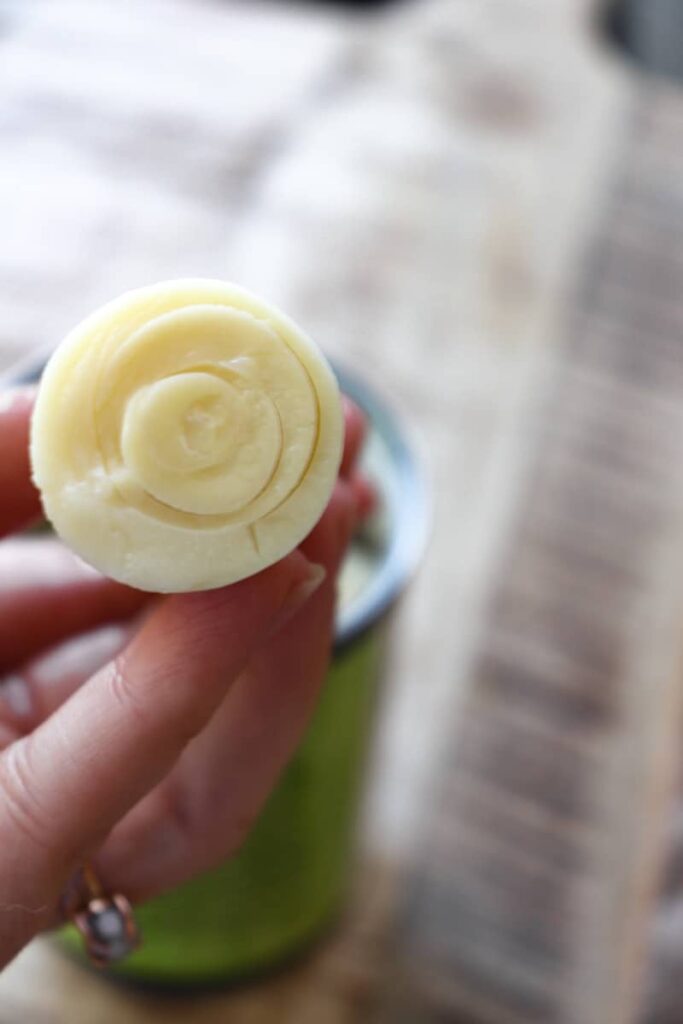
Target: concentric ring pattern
185 436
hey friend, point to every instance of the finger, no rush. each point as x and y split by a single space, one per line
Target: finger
201 814
64 786
327 541
355 429
19 500
32 693
35 689
47 594
365 496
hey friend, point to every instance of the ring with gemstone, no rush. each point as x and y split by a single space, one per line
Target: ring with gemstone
106 922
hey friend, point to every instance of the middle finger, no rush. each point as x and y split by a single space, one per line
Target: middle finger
47 594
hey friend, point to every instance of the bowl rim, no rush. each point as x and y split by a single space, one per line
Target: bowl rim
409 513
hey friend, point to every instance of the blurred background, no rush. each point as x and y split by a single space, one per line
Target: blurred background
476 208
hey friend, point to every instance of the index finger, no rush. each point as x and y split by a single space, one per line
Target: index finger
19 500
48 594
65 785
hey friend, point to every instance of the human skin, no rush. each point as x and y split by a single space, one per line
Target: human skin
142 733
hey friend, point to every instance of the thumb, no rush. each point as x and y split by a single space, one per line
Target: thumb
64 786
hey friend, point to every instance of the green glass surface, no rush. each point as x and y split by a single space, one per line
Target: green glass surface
289 878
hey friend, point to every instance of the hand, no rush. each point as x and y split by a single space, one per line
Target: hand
139 732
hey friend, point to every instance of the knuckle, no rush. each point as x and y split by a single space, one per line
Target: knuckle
209 831
183 714
17 798
124 692
180 812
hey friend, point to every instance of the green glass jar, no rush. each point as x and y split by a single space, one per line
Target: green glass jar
288 881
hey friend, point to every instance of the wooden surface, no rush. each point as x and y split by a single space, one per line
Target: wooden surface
434 192
543 845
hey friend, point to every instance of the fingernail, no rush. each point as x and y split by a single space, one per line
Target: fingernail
300 593
15 695
16 396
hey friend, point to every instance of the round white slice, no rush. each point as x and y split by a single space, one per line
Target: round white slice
185 436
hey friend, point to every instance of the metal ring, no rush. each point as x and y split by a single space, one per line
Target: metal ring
106 922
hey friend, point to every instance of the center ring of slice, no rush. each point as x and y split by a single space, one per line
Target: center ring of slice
181 436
